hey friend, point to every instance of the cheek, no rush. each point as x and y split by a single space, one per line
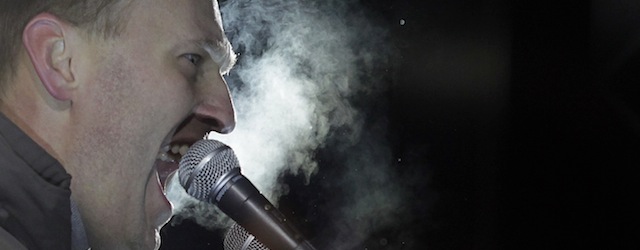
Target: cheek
173 93
121 107
143 99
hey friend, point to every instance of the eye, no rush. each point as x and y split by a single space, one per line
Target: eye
193 58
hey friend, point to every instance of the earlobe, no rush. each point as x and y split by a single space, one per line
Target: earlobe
45 41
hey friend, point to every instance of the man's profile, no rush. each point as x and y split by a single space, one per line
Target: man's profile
93 96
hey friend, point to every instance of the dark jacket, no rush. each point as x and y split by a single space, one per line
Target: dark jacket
34 193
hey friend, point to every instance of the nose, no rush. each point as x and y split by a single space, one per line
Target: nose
215 107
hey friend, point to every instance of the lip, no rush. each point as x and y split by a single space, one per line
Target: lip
164 209
187 132
164 169
191 130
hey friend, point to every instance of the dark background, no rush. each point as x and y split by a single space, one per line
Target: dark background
522 116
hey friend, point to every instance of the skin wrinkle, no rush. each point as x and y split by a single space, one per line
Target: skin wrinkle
221 53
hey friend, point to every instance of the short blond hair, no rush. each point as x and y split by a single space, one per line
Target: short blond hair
104 17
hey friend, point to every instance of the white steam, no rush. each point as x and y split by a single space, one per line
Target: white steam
292 86
302 66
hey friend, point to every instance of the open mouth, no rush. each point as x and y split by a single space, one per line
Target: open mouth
173 148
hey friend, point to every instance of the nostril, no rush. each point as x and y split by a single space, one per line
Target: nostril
209 121
216 124
217 113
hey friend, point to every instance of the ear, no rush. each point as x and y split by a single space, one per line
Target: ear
50 53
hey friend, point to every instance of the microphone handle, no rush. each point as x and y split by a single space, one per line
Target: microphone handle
242 201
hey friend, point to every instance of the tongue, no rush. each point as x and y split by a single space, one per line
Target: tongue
164 169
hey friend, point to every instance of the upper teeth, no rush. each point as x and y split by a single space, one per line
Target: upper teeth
182 149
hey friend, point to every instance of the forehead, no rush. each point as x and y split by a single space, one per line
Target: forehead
176 19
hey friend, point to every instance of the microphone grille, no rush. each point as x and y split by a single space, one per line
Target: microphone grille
203 164
239 239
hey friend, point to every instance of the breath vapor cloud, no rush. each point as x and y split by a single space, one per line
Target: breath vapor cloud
302 68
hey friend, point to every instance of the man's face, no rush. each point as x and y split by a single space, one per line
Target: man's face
155 86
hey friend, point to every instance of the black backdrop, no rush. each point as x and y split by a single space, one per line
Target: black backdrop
521 115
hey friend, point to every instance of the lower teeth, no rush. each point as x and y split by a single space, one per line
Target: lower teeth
165 157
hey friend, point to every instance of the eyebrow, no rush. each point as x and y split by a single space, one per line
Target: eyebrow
221 52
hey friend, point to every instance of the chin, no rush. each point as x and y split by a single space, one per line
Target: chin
152 240
141 241
157 239
147 241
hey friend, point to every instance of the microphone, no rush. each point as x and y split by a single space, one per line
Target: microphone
239 239
210 172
